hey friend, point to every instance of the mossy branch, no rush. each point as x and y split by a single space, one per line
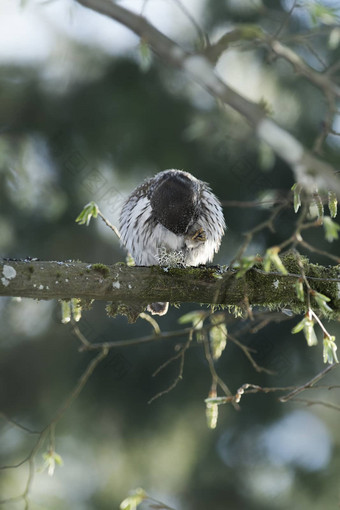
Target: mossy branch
141 285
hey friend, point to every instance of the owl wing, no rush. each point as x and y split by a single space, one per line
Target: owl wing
135 225
212 216
211 220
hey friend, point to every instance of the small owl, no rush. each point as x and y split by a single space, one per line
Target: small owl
172 219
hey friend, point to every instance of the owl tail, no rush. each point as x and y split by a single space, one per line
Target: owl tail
158 308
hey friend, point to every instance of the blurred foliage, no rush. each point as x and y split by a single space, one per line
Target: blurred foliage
95 138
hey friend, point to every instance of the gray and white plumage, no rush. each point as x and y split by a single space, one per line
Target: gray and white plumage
171 219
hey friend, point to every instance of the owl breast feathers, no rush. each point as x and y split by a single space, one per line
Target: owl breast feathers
172 219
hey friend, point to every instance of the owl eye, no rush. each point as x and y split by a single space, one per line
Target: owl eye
199 235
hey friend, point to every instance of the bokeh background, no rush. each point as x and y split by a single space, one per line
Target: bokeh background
87 114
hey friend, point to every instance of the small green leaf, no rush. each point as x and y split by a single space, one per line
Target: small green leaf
319 205
299 289
309 333
211 409
321 13
331 229
211 412
196 317
332 204
245 264
307 326
217 275
218 336
296 188
76 309
322 301
65 311
58 459
130 261
90 209
329 350
131 502
51 458
145 55
272 257
299 326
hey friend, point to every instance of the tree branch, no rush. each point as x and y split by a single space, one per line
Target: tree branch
141 285
256 33
310 171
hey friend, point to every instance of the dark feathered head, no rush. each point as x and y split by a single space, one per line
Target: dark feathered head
174 200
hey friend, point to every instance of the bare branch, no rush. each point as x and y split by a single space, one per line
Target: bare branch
308 384
317 402
180 355
309 171
257 34
49 429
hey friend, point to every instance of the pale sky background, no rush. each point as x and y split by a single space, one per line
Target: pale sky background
44 32
30 29
31 32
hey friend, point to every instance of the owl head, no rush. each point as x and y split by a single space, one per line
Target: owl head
174 199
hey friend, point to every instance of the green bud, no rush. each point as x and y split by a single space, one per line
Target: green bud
309 333
89 210
307 326
332 204
296 188
272 257
51 458
322 301
329 350
196 318
331 229
211 409
299 289
246 263
218 336
131 502
65 311
76 309
145 55
319 205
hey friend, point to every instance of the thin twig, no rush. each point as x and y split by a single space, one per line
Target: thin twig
309 383
215 377
253 203
106 221
201 34
285 21
47 430
80 385
311 248
246 351
152 321
18 425
268 223
136 341
75 328
317 402
181 355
